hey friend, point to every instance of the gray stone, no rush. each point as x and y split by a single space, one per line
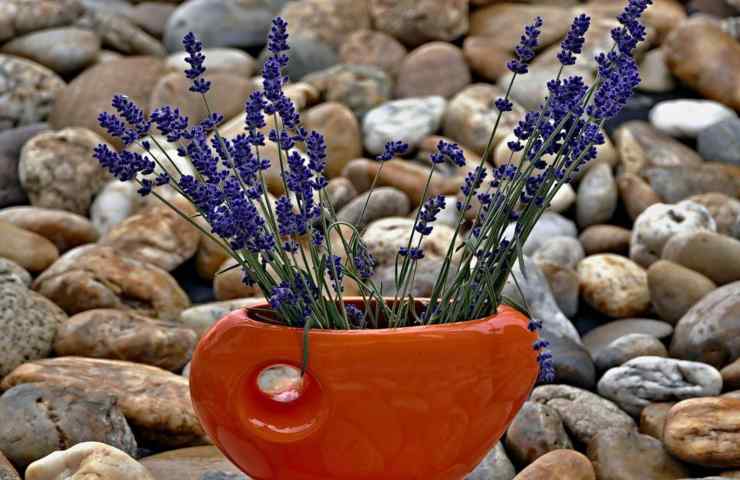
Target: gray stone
654 73
549 225
360 87
601 337
382 202
530 90
418 21
536 430
307 55
408 120
222 23
565 251
39 419
626 348
11 142
584 413
115 202
496 466
597 196
11 272
64 50
340 192
720 142
220 60
201 317
572 362
564 285
536 290
18 17
27 91
121 34
646 380
28 324
660 222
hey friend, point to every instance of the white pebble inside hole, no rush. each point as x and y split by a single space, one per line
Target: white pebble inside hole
281 382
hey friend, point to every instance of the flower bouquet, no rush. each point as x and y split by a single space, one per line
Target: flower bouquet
320 382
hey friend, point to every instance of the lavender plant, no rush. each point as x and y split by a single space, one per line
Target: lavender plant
286 249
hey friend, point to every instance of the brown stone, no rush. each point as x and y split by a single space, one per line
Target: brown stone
641 146
605 239
485 57
636 194
229 285
121 34
119 335
65 229
40 418
707 59
227 95
209 258
626 454
711 254
674 289
369 47
415 22
90 93
614 285
330 22
705 431
342 133
708 331
92 276
724 209
559 465
58 170
731 376
155 235
471 114
503 23
536 430
400 174
194 463
677 183
419 73
155 402
652 419
29 250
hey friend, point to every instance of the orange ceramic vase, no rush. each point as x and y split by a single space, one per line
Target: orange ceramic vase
423 403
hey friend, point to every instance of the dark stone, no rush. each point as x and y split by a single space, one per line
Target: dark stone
11 142
720 142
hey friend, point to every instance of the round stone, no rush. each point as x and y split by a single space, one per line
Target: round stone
383 202
644 380
330 22
30 250
63 50
605 239
660 222
341 130
11 272
29 91
597 196
598 339
725 211
415 22
614 285
686 118
39 419
29 324
57 169
65 229
98 460
220 60
418 74
11 142
674 289
408 120
359 87
719 142
536 430
373 48
625 348
711 254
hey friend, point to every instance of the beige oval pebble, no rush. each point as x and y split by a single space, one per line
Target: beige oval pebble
614 285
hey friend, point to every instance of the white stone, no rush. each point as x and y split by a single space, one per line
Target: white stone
686 118
201 317
116 202
408 120
645 380
660 222
220 60
549 225
88 460
563 199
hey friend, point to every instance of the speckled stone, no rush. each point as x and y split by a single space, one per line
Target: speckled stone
39 419
88 460
28 91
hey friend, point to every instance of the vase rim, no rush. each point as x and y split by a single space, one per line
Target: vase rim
336 331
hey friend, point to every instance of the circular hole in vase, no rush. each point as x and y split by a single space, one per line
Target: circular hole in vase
281 382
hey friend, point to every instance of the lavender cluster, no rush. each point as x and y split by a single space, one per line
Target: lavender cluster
289 248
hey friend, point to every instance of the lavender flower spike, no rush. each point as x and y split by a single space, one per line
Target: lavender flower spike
572 45
525 50
195 58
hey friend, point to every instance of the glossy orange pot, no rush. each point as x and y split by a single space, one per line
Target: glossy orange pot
394 404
